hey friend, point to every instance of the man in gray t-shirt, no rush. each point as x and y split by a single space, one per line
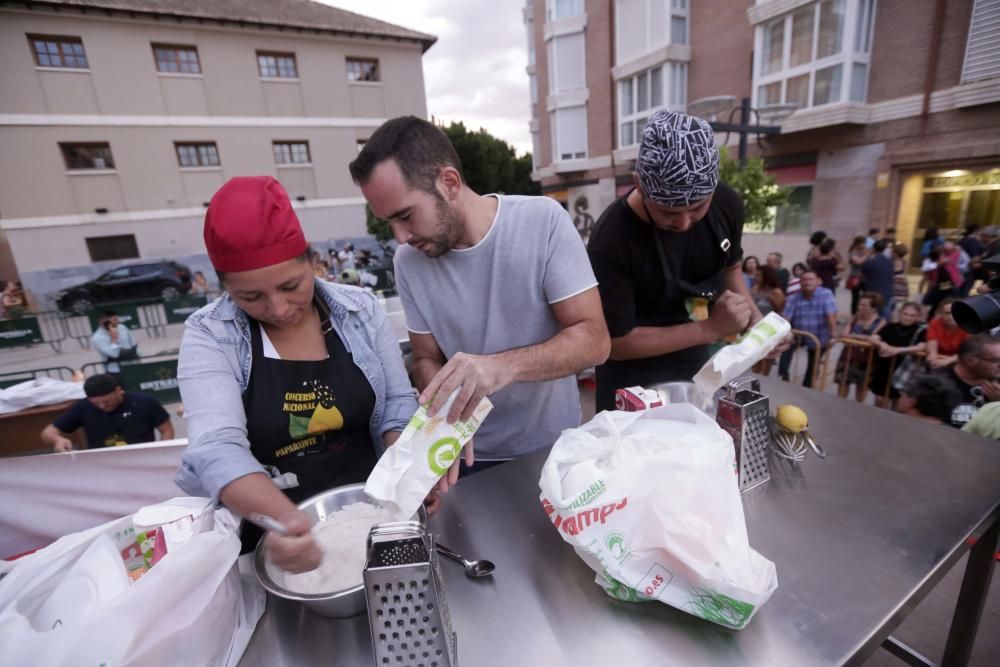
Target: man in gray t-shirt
499 296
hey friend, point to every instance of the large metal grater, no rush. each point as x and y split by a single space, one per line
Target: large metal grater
744 413
407 609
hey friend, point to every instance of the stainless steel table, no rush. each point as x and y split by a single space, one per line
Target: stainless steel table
858 539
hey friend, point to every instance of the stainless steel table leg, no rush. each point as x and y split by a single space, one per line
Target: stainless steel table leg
972 598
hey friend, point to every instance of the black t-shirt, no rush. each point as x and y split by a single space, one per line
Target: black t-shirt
635 291
131 422
973 398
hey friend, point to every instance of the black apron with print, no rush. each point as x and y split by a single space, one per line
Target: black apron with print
310 418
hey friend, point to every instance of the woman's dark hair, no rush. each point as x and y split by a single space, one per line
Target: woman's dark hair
931 234
800 266
934 395
858 241
817 238
900 250
934 255
874 298
768 277
747 260
304 257
826 247
419 148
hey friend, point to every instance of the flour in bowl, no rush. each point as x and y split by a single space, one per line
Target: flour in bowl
342 538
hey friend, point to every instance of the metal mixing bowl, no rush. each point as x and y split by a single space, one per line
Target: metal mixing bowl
342 604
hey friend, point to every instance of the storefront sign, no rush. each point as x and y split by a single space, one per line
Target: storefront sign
128 314
179 309
22 331
155 378
985 178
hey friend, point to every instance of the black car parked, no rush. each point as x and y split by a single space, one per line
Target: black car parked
135 282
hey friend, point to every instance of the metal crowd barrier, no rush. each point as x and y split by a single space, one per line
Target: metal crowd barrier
31 328
816 351
155 375
893 365
849 344
56 373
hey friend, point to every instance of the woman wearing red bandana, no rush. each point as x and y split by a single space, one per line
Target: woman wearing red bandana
291 385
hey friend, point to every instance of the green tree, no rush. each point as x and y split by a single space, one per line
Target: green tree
761 193
491 164
376 226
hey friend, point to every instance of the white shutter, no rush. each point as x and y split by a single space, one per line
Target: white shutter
982 55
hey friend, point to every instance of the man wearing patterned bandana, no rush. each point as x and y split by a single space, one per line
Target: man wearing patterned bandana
667 258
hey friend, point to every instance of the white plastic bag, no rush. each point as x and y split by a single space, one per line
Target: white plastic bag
39 391
650 502
190 608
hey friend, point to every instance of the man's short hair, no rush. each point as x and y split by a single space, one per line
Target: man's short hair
776 254
678 161
973 346
881 245
934 395
991 230
808 271
100 385
873 231
419 148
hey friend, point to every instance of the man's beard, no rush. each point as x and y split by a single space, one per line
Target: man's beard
450 227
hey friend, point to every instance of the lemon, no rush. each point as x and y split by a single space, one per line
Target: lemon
792 418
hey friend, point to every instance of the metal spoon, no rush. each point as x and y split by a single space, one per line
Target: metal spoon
473 568
264 522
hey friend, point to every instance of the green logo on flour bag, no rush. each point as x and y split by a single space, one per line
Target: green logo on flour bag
442 454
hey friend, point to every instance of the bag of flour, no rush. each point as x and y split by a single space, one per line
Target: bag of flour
428 446
734 360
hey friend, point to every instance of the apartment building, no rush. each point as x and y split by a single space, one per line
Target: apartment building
120 118
889 109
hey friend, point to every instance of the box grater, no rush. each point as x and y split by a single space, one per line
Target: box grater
743 412
407 609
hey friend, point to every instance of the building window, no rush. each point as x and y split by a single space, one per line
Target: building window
87 156
805 57
533 88
566 63
291 152
679 21
105 248
643 26
982 51
176 59
795 216
564 9
536 150
362 69
58 51
569 133
277 65
642 94
202 154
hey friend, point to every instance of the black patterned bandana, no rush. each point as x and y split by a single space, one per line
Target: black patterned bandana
678 162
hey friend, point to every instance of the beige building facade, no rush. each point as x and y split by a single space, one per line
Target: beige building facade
117 126
889 110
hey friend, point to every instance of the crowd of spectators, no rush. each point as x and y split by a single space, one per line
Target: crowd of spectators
901 345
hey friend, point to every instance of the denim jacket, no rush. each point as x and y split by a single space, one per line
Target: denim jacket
214 369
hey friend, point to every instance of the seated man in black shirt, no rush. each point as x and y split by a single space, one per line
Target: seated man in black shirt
667 258
110 417
976 374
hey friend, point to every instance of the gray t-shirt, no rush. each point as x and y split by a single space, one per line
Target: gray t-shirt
496 296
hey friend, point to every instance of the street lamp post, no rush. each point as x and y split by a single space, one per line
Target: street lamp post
744 128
